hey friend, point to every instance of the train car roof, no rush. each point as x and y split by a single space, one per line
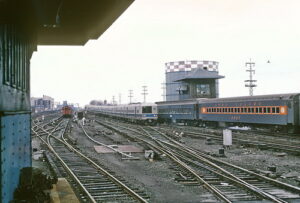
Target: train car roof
123 105
252 98
186 101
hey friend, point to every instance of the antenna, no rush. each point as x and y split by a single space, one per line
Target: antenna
130 95
250 83
144 92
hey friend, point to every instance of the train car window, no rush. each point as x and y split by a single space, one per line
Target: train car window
232 110
268 110
226 109
256 110
242 110
260 109
235 110
147 109
277 109
273 109
265 110
238 110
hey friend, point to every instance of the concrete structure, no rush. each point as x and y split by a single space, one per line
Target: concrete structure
192 79
24 24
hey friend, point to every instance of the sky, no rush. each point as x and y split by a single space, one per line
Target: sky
133 51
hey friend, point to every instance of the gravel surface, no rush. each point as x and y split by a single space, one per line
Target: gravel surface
255 159
157 179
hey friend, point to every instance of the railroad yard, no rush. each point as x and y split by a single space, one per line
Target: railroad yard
108 160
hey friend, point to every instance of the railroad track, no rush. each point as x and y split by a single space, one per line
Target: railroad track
124 155
95 183
228 182
267 142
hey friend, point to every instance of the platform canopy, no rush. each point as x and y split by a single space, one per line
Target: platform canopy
64 22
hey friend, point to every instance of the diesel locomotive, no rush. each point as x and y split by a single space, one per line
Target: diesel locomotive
67 111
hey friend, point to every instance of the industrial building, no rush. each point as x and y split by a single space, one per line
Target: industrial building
192 79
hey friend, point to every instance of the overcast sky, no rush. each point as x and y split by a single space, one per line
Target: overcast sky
133 51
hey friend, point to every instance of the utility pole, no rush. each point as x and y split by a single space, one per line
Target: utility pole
163 87
144 92
113 100
120 96
130 95
250 83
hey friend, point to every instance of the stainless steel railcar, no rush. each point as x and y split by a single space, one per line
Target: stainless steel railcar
145 113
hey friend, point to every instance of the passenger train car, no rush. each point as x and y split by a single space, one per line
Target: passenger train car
144 113
280 111
185 111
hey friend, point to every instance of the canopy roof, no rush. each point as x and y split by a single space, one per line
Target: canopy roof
201 74
64 22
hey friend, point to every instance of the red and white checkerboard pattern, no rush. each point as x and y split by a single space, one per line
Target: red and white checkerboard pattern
190 65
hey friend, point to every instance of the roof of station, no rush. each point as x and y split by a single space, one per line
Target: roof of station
201 74
64 22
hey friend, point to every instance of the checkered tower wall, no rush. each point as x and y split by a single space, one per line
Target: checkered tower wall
179 69
190 65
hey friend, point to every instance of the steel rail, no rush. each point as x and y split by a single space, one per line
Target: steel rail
275 182
250 187
114 179
111 177
107 146
229 176
199 154
208 186
48 144
259 141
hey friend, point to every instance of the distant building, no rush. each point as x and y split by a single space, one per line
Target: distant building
44 103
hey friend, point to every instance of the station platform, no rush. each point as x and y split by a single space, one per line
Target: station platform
62 192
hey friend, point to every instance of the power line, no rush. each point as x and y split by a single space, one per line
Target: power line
250 83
